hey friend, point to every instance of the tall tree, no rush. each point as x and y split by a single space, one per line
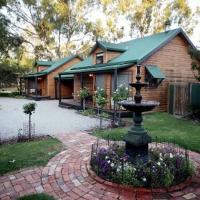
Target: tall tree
55 28
8 41
149 16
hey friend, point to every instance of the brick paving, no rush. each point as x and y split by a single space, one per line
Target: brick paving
66 177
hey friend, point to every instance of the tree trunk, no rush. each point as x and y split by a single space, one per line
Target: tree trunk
100 120
29 127
83 104
119 117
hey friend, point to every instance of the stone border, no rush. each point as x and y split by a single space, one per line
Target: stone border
174 188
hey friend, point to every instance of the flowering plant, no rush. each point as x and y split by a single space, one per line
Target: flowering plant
164 168
84 93
120 93
100 97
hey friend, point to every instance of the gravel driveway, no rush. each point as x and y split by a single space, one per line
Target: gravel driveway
48 118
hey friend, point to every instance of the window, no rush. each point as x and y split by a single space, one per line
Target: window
122 79
100 81
99 58
154 76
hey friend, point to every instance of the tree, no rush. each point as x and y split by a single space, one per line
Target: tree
195 65
149 16
84 93
8 40
100 99
121 93
55 28
29 109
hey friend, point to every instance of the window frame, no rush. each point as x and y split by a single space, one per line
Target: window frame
100 55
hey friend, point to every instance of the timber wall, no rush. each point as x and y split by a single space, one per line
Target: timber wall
51 80
173 59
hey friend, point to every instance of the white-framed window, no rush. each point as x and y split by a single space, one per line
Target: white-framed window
99 58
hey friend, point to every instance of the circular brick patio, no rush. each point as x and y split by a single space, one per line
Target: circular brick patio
66 177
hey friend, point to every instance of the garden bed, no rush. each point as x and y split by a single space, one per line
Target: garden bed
167 166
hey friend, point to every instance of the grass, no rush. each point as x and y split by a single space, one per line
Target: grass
34 153
166 127
41 196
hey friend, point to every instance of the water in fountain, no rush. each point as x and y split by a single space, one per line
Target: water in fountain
137 138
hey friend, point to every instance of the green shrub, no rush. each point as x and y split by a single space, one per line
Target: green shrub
9 94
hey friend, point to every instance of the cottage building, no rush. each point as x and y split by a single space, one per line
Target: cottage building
164 58
44 83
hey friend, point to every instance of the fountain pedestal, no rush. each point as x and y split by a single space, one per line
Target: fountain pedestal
137 139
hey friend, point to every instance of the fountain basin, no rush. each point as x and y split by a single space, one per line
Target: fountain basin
144 106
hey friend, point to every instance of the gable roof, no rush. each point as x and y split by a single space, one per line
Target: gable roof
108 46
55 65
137 51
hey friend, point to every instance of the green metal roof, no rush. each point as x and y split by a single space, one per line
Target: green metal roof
56 64
136 51
97 68
108 46
155 71
66 76
82 64
44 63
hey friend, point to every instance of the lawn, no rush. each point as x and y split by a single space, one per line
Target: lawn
34 153
166 127
41 196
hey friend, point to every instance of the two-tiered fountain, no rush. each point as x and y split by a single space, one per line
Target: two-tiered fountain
137 138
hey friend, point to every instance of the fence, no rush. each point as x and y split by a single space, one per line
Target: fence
181 96
126 174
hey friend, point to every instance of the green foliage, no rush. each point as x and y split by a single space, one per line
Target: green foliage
122 93
41 196
9 74
100 97
149 16
195 65
88 112
84 93
27 154
9 94
29 108
166 166
194 112
173 130
8 41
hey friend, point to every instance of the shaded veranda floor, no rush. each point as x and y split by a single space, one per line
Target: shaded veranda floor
66 177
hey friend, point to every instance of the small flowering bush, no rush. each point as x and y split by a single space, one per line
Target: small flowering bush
164 168
84 93
120 93
100 97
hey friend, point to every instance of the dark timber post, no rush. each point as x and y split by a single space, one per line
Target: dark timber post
115 79
115 87
81 88
56 88
36 87
59 87
28 87
20 85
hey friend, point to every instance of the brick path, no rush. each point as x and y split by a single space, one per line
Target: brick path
66 177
